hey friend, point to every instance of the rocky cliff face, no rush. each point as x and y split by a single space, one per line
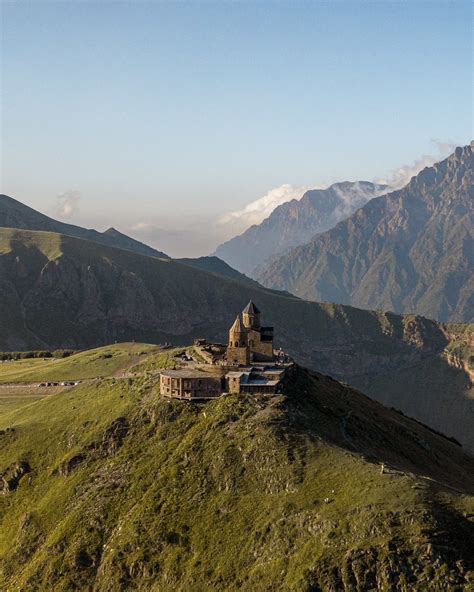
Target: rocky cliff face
407 251
295 222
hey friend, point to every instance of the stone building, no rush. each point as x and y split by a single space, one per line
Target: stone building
190 384
249 341
252 380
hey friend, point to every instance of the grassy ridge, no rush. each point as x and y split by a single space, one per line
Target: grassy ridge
48 243
164 495
14 214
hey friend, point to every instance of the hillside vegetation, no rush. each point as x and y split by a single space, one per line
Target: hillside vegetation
123 490
102 361
58 291
408 251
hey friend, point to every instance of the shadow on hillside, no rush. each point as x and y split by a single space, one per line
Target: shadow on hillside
350 420
431 391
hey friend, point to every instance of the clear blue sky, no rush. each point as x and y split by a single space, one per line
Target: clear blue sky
151 109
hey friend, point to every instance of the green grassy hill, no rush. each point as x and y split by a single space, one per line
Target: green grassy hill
127 491
60 291
103 361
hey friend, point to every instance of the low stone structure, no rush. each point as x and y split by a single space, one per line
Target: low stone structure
255 379
190 384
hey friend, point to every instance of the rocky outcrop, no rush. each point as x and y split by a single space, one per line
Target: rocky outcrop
12 475
107 445
68 466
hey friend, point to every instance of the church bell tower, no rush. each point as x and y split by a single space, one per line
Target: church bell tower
251 316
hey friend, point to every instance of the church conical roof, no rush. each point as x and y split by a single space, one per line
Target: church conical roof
237 326
251 308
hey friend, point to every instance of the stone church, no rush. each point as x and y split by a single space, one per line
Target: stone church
248 340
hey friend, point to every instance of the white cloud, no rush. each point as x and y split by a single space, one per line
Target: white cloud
399 177
355 197
256 211
144 227
67 204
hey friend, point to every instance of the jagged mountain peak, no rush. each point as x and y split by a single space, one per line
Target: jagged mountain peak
408 251
295 222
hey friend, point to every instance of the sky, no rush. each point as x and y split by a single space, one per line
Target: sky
182 123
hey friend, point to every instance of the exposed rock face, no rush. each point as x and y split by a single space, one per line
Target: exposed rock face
12 475
296 222
108 444
68 466
407 251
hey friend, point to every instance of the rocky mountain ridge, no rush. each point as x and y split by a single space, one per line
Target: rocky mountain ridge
410 250
296 222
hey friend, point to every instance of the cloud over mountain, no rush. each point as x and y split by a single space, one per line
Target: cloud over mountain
67 204
401 176
256 211
296 221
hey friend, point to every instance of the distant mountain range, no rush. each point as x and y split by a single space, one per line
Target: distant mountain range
14 214
408 251
218 267
296 222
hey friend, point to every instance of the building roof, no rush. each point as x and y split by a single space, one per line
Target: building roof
262 382
251 308
254 376
186 373
274 372
237 326
236 374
